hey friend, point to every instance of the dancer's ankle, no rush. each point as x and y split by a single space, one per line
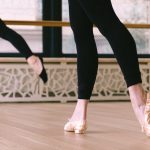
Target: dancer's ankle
32 59
137 94
80 112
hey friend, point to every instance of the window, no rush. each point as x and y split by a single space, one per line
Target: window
22 10
136 12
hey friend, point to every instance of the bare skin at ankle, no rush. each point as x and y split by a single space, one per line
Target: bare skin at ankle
80 112
138 100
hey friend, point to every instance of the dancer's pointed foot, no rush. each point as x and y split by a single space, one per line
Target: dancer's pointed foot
146 126
36 63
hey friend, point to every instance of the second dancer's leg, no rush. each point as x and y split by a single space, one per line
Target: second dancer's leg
20 44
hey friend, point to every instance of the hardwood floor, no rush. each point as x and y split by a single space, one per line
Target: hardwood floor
39 126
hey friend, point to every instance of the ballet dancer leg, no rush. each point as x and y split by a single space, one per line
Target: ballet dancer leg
102 15
87 64
20 44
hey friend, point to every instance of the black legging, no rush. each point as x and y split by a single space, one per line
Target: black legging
85 13
17 40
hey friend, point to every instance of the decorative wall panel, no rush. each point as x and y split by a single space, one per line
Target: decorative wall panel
20 83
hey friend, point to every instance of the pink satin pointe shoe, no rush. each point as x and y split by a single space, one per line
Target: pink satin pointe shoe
146 125
78 127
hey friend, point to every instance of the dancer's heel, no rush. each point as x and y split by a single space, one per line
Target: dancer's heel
36 63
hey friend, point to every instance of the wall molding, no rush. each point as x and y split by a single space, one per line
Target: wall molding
20 84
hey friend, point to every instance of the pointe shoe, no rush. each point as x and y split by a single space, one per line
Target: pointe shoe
78 127
36 63
146 126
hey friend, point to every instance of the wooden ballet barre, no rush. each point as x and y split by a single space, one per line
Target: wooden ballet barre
143 26
38 23
62 24
65 60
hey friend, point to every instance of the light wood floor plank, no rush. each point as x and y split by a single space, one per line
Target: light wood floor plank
39 126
